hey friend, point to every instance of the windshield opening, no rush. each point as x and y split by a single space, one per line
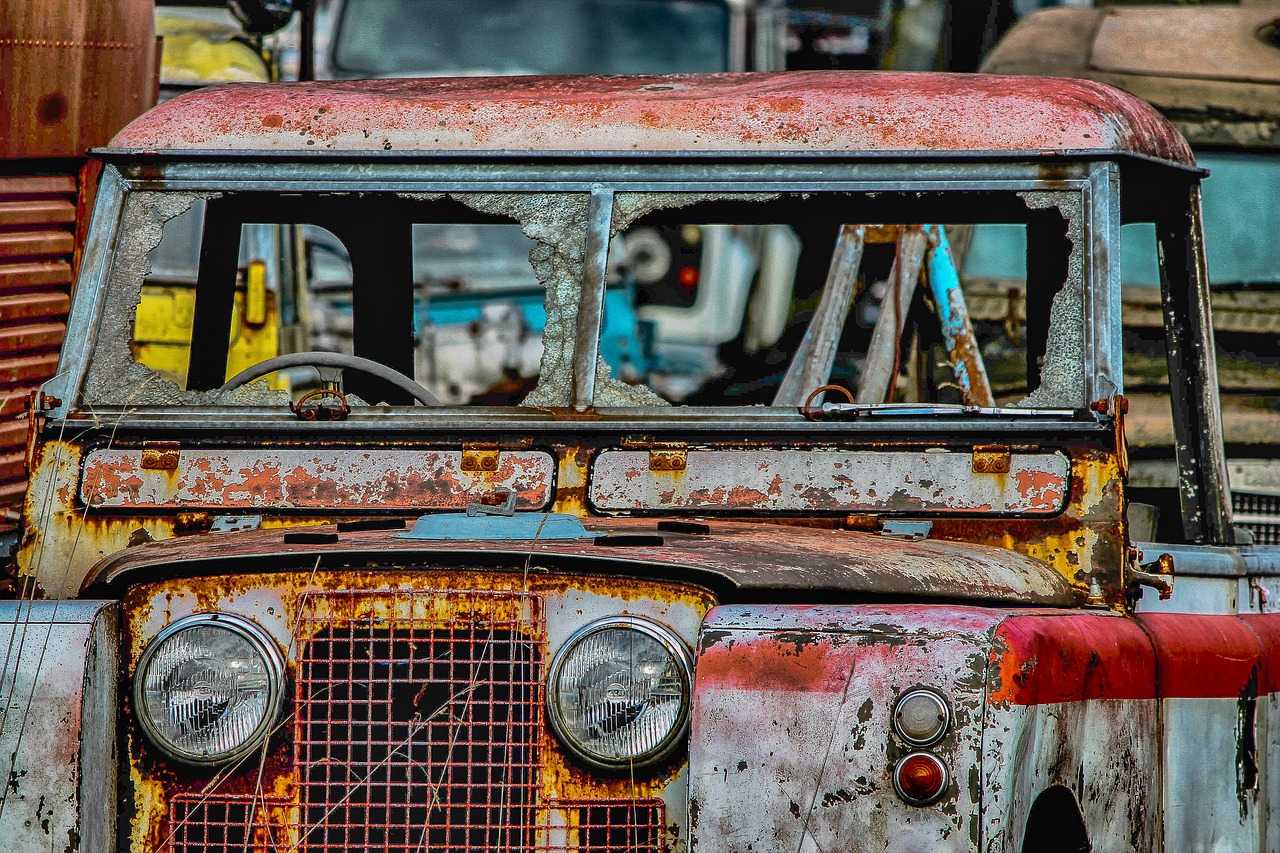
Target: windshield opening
471 299
390 38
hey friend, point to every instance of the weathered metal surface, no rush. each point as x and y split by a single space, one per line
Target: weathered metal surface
782 558
829 481
37 237
57 725
312 479
792 714
74 74
1042 660
838 111
291 606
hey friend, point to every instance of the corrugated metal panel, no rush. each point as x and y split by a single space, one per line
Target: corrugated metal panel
37 241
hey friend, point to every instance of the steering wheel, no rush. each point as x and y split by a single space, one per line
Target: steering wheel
333 359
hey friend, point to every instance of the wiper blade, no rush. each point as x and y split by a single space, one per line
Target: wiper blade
934 410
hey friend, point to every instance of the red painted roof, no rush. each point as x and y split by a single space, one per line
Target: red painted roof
815 110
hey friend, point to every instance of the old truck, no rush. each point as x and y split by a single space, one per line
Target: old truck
582 618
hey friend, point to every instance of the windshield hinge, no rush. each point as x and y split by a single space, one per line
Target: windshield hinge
160 455
991 459
480 456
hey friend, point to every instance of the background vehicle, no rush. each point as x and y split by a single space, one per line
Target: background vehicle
1215 72
624 624
74 74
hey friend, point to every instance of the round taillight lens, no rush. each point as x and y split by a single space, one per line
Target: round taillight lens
921 717
920 778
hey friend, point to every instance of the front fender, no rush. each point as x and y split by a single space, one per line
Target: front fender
58 716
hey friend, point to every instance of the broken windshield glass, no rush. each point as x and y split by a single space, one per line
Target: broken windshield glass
711 299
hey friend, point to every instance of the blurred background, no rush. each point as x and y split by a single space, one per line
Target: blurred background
76 71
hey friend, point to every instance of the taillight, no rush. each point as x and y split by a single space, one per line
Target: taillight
920 778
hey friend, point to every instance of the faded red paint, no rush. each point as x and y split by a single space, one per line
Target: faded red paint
315 479
767 662
1074 657
1070 657
1210 656
839 111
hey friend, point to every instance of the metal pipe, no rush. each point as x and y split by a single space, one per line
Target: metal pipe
811 365
953 316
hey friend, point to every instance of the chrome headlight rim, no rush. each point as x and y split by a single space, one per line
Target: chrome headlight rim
260 641
674 645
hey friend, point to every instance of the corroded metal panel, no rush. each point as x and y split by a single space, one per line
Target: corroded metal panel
781 558
57 715
1104 754
37 236
795 111
792 714
306 479
830 481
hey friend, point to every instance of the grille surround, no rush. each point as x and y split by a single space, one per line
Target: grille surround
287 813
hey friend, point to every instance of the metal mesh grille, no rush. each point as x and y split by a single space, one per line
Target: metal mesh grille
1255 504
417 723
214 823
603 827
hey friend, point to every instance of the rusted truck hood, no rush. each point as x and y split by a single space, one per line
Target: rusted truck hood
733 557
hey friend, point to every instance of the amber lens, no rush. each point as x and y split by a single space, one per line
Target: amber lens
920 778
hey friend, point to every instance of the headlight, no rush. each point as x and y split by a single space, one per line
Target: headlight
209 688
618 694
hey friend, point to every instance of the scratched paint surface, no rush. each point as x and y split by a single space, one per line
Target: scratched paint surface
830 481
792 715
315 478
848 111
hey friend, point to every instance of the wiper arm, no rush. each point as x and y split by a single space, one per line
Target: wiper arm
840 411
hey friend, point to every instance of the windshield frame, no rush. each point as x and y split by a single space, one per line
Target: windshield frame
1096 182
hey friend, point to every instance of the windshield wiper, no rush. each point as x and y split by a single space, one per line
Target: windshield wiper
833 411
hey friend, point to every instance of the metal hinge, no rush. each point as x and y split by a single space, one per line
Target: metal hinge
160 456
668 457
480 456
991 459
663 455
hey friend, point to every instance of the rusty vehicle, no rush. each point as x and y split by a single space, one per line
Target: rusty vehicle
581 618
1214 72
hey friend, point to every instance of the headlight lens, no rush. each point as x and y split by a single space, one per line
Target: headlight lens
209 688
619 692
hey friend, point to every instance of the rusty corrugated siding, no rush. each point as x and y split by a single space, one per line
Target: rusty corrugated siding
37 243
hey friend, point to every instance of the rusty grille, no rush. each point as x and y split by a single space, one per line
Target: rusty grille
219 823
418 719
589 826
